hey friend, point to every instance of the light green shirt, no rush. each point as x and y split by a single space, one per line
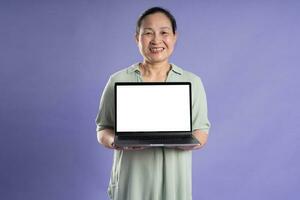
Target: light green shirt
156 173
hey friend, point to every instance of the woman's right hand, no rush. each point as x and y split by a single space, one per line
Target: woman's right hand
130 148
106 138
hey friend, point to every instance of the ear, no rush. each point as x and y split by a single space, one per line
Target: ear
136 37
175 36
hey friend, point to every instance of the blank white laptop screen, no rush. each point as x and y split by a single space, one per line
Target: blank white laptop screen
153 108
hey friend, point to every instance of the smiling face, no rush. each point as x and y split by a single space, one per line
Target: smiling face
156 39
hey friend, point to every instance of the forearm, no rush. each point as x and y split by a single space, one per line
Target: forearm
106 138
201 136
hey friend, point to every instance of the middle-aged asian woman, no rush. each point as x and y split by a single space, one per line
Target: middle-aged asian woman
155 173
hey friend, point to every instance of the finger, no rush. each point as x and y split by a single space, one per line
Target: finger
184 148
127 148
137 148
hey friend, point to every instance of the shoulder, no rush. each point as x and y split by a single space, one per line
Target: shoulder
187 75
124 75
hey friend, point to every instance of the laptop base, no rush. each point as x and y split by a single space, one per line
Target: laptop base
189 140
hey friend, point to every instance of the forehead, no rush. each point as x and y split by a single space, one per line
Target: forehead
156 20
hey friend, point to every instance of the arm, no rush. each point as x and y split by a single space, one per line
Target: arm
201 136
106 138
200 123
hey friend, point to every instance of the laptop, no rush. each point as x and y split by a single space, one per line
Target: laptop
153 114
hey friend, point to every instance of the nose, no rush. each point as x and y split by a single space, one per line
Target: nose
156 38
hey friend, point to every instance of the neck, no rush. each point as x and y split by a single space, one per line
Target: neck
155 69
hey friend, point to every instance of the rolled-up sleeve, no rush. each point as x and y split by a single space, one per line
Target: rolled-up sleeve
199 107
106 114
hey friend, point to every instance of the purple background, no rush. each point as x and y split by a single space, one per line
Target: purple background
56 57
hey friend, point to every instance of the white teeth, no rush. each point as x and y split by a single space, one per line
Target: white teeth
156 49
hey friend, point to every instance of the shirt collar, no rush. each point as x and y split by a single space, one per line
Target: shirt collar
176 69
135 68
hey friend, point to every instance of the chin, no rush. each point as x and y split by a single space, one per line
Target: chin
158 60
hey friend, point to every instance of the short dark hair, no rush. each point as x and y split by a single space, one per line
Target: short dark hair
154 10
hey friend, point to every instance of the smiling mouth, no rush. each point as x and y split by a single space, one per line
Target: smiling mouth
156 49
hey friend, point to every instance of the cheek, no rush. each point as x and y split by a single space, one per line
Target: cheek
144 41
169 42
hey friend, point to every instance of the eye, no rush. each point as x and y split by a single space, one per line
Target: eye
147 33
164 33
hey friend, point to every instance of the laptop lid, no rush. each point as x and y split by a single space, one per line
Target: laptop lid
153 108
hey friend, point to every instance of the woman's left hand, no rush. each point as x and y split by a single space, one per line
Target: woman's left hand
201 136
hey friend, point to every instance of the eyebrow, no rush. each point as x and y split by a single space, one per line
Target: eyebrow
165 27
161 28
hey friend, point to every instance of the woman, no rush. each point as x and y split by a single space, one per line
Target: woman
152 173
